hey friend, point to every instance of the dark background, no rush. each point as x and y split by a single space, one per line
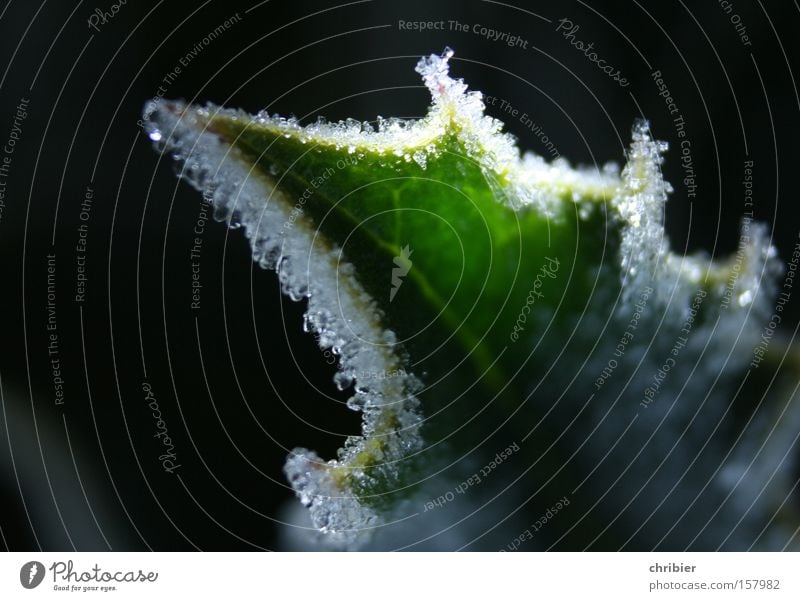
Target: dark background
238 382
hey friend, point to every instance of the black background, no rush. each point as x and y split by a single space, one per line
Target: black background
238 381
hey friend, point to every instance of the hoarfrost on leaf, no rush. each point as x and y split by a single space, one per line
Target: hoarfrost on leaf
300 194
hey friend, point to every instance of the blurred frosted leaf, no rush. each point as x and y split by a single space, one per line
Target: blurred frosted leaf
451 274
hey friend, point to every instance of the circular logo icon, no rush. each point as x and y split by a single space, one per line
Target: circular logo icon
31 574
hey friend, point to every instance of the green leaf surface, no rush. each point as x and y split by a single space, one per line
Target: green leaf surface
472 293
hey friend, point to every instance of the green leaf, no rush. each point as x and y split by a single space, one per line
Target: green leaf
467 290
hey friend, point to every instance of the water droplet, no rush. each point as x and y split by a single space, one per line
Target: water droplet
745 298
342 380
